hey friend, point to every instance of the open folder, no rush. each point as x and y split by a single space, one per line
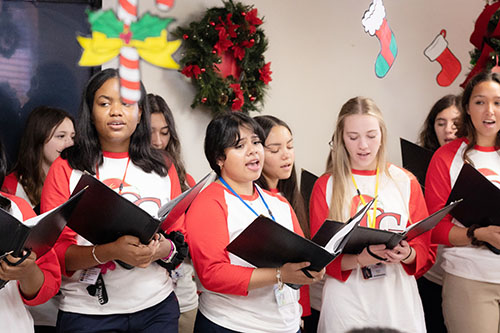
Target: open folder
265 243
415 159
362 236
38 234
480 198
103 215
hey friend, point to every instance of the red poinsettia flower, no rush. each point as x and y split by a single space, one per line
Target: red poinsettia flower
251 17
223 44
239 52
191 70
265 73
248 43
239 100
230 26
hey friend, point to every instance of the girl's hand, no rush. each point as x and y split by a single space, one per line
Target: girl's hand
367 259
131 251
292 273
29 275
401 252
489 234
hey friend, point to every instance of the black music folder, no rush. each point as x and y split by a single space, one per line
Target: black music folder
307 180
480 198
38 234
362 236
103 215
415 159
265 243
173 210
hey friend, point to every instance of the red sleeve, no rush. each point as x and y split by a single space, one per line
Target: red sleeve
207 234
190 180
49 265
48 262
22 204
174 192
55 192
10 183
318 213
305 301
437 190
425 258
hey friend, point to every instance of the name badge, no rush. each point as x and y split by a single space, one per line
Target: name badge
284 296
374 271
90 275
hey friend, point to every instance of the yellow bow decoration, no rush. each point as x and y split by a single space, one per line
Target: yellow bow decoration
99 49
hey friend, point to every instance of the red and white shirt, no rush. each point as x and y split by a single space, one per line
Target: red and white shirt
215 218
128 290
12 186
350 301
470 262
13 314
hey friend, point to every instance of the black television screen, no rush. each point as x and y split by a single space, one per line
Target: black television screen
39 60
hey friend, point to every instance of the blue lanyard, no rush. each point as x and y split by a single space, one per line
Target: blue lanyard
260 195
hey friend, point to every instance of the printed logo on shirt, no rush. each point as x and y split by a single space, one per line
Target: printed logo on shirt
131 193
384 220
491 175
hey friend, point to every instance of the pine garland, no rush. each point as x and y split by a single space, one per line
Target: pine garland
232 30
492 41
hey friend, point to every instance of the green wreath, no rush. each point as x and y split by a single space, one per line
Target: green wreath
224 56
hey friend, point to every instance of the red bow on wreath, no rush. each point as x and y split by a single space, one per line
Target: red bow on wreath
480 37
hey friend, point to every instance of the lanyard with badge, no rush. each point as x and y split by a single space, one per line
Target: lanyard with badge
377 270
283 295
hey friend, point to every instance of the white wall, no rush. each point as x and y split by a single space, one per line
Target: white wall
321 57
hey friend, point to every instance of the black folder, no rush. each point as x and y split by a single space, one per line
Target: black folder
307 180
37 234
173 210
362 236
103 215
415 159
265 243
480 198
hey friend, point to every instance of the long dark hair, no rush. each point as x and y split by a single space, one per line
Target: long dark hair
40 127
465 128
86 152
4 202
427 137
287 187
158 105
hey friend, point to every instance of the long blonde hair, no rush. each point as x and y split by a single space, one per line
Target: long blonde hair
339 165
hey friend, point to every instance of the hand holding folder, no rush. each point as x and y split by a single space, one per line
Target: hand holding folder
362 236
38 234
265 243
103 215
480 200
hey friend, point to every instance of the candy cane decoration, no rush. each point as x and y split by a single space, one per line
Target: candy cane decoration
165 4
130 75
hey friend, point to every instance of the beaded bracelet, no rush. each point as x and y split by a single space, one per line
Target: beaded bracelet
470 234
